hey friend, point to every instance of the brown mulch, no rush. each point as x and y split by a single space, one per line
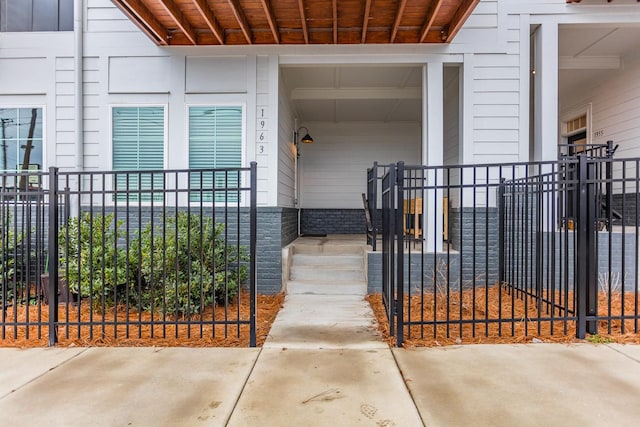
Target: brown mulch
473 319
145 329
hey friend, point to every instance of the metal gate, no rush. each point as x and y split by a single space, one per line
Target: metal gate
532 249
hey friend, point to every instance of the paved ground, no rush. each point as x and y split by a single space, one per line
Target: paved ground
323 364
479 385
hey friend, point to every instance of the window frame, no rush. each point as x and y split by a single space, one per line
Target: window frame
165 148
43 166
58 6
244 178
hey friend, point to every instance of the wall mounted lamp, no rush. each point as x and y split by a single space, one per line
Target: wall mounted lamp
306 139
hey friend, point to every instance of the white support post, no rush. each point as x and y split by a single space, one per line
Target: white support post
433 152
546 92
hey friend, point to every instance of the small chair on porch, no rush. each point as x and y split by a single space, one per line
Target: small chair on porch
412 223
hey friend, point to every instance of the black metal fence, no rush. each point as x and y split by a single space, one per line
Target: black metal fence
375 175
522 250
104 257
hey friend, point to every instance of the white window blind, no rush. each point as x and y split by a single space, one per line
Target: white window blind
138 145
215 142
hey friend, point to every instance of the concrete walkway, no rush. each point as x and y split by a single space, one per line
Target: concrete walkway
323 364
476 385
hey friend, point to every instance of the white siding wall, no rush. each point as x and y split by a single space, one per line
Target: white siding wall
64 113
615 108
36 70
334 168
286 151
496 99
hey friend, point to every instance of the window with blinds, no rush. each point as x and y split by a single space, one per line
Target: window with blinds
215 142
138 145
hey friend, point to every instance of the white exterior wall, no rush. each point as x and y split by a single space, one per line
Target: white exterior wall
122 66
36 70
286 150
333 168
615 109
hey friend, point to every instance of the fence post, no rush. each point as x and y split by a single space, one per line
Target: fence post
53 256
399 232
373 201
253 216
501 232
586 259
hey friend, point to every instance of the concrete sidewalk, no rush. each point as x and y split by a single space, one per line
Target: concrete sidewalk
479 385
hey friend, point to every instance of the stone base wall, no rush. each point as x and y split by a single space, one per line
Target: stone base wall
333 221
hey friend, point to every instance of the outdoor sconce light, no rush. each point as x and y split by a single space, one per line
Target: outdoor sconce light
306 139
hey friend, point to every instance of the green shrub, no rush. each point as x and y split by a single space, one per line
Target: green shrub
185 266
9 242
90 260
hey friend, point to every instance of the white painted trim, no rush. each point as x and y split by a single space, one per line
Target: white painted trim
274 157
356 93
43 107
165 135
433 80
243 140
525 88
468 100
364 59
584 110
547 76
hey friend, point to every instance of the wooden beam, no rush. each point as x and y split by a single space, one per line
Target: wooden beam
138 13
396 24
210 19
273 24
242 20
365 21
335 22
303 19
432 12
458 19
180 20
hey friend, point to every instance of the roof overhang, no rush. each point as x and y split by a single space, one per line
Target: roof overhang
245 22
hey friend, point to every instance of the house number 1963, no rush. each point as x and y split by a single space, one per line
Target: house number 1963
262 126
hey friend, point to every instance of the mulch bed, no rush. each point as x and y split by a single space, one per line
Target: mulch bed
488 305
144 329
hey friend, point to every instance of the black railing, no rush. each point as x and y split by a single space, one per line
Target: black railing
532 250
160 256
375 175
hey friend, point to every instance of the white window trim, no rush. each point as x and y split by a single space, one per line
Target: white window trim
245 200
108 184
45 163
585 110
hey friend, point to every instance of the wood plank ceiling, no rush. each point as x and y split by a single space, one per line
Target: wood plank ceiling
245 22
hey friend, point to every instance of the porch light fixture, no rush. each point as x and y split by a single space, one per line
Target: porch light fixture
306 139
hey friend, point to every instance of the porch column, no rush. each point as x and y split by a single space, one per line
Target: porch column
432 151
546 92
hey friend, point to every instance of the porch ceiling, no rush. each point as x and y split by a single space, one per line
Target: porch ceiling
244 22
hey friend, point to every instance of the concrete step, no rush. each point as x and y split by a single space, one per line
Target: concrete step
318 287
326 273
355 261
331 249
